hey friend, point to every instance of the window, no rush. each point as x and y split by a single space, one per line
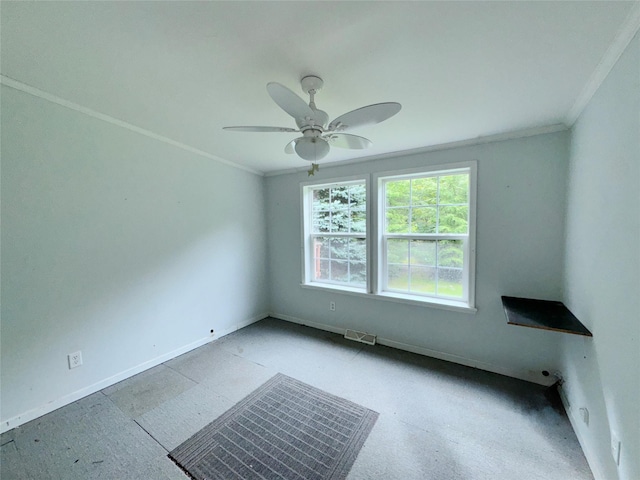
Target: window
424 237
421 247
336 234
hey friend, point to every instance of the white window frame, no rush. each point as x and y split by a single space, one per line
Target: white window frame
308 235
376 256
380 263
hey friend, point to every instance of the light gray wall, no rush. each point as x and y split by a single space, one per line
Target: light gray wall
520 217
602 280
117 245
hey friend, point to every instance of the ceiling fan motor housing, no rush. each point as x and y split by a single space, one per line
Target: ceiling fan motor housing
319 119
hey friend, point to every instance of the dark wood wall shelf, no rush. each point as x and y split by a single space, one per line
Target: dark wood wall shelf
544 314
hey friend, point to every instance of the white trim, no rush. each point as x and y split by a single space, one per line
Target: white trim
332 182
374 242
49 407
372 265
23 87
469 362
306 323
622 39
239 325
499 137
378 243
576 424
473 212
442 169
434 302
429 302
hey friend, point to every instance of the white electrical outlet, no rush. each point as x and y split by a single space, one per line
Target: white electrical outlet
332 306
584 413
75 359
615 448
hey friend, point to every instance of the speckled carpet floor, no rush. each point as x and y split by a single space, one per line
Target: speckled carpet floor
437 420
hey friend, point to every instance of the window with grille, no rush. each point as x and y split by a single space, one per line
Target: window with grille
336 240
425 234
411 238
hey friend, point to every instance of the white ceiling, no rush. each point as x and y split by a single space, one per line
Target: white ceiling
183 70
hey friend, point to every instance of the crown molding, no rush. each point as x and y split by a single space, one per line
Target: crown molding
500 137
620 42
23 87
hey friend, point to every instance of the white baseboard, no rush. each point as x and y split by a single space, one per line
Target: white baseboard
41 410
300 321
469 362
239 325
576 425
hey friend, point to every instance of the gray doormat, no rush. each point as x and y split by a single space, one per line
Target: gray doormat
285 429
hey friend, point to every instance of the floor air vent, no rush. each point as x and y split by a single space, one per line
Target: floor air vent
360 337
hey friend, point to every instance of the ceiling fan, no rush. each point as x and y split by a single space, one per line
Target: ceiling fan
317 132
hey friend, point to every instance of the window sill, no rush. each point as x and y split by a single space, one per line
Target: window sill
394 297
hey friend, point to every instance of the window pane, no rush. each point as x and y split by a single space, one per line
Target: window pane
358 196
358 220
450 282
340 220
423 220
340 248
339 271
320 221
321 247
398 193
339 209
423 279
398 277
397 220
454 188
321 269
423 252
424 191
357 250
358 274
397 251
321 199
453 219
339 196
450 253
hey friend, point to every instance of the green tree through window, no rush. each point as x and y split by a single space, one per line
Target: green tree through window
424 215
414 242
339 218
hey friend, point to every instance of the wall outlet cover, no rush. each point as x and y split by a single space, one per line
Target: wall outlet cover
75 359
584 413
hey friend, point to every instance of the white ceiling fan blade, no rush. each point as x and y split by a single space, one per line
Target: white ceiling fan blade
260 129
290 147
289 101
345 140
369 115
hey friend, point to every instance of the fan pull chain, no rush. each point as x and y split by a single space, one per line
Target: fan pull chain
314 168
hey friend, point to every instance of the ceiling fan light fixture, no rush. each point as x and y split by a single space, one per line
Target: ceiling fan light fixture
312 148
314 124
